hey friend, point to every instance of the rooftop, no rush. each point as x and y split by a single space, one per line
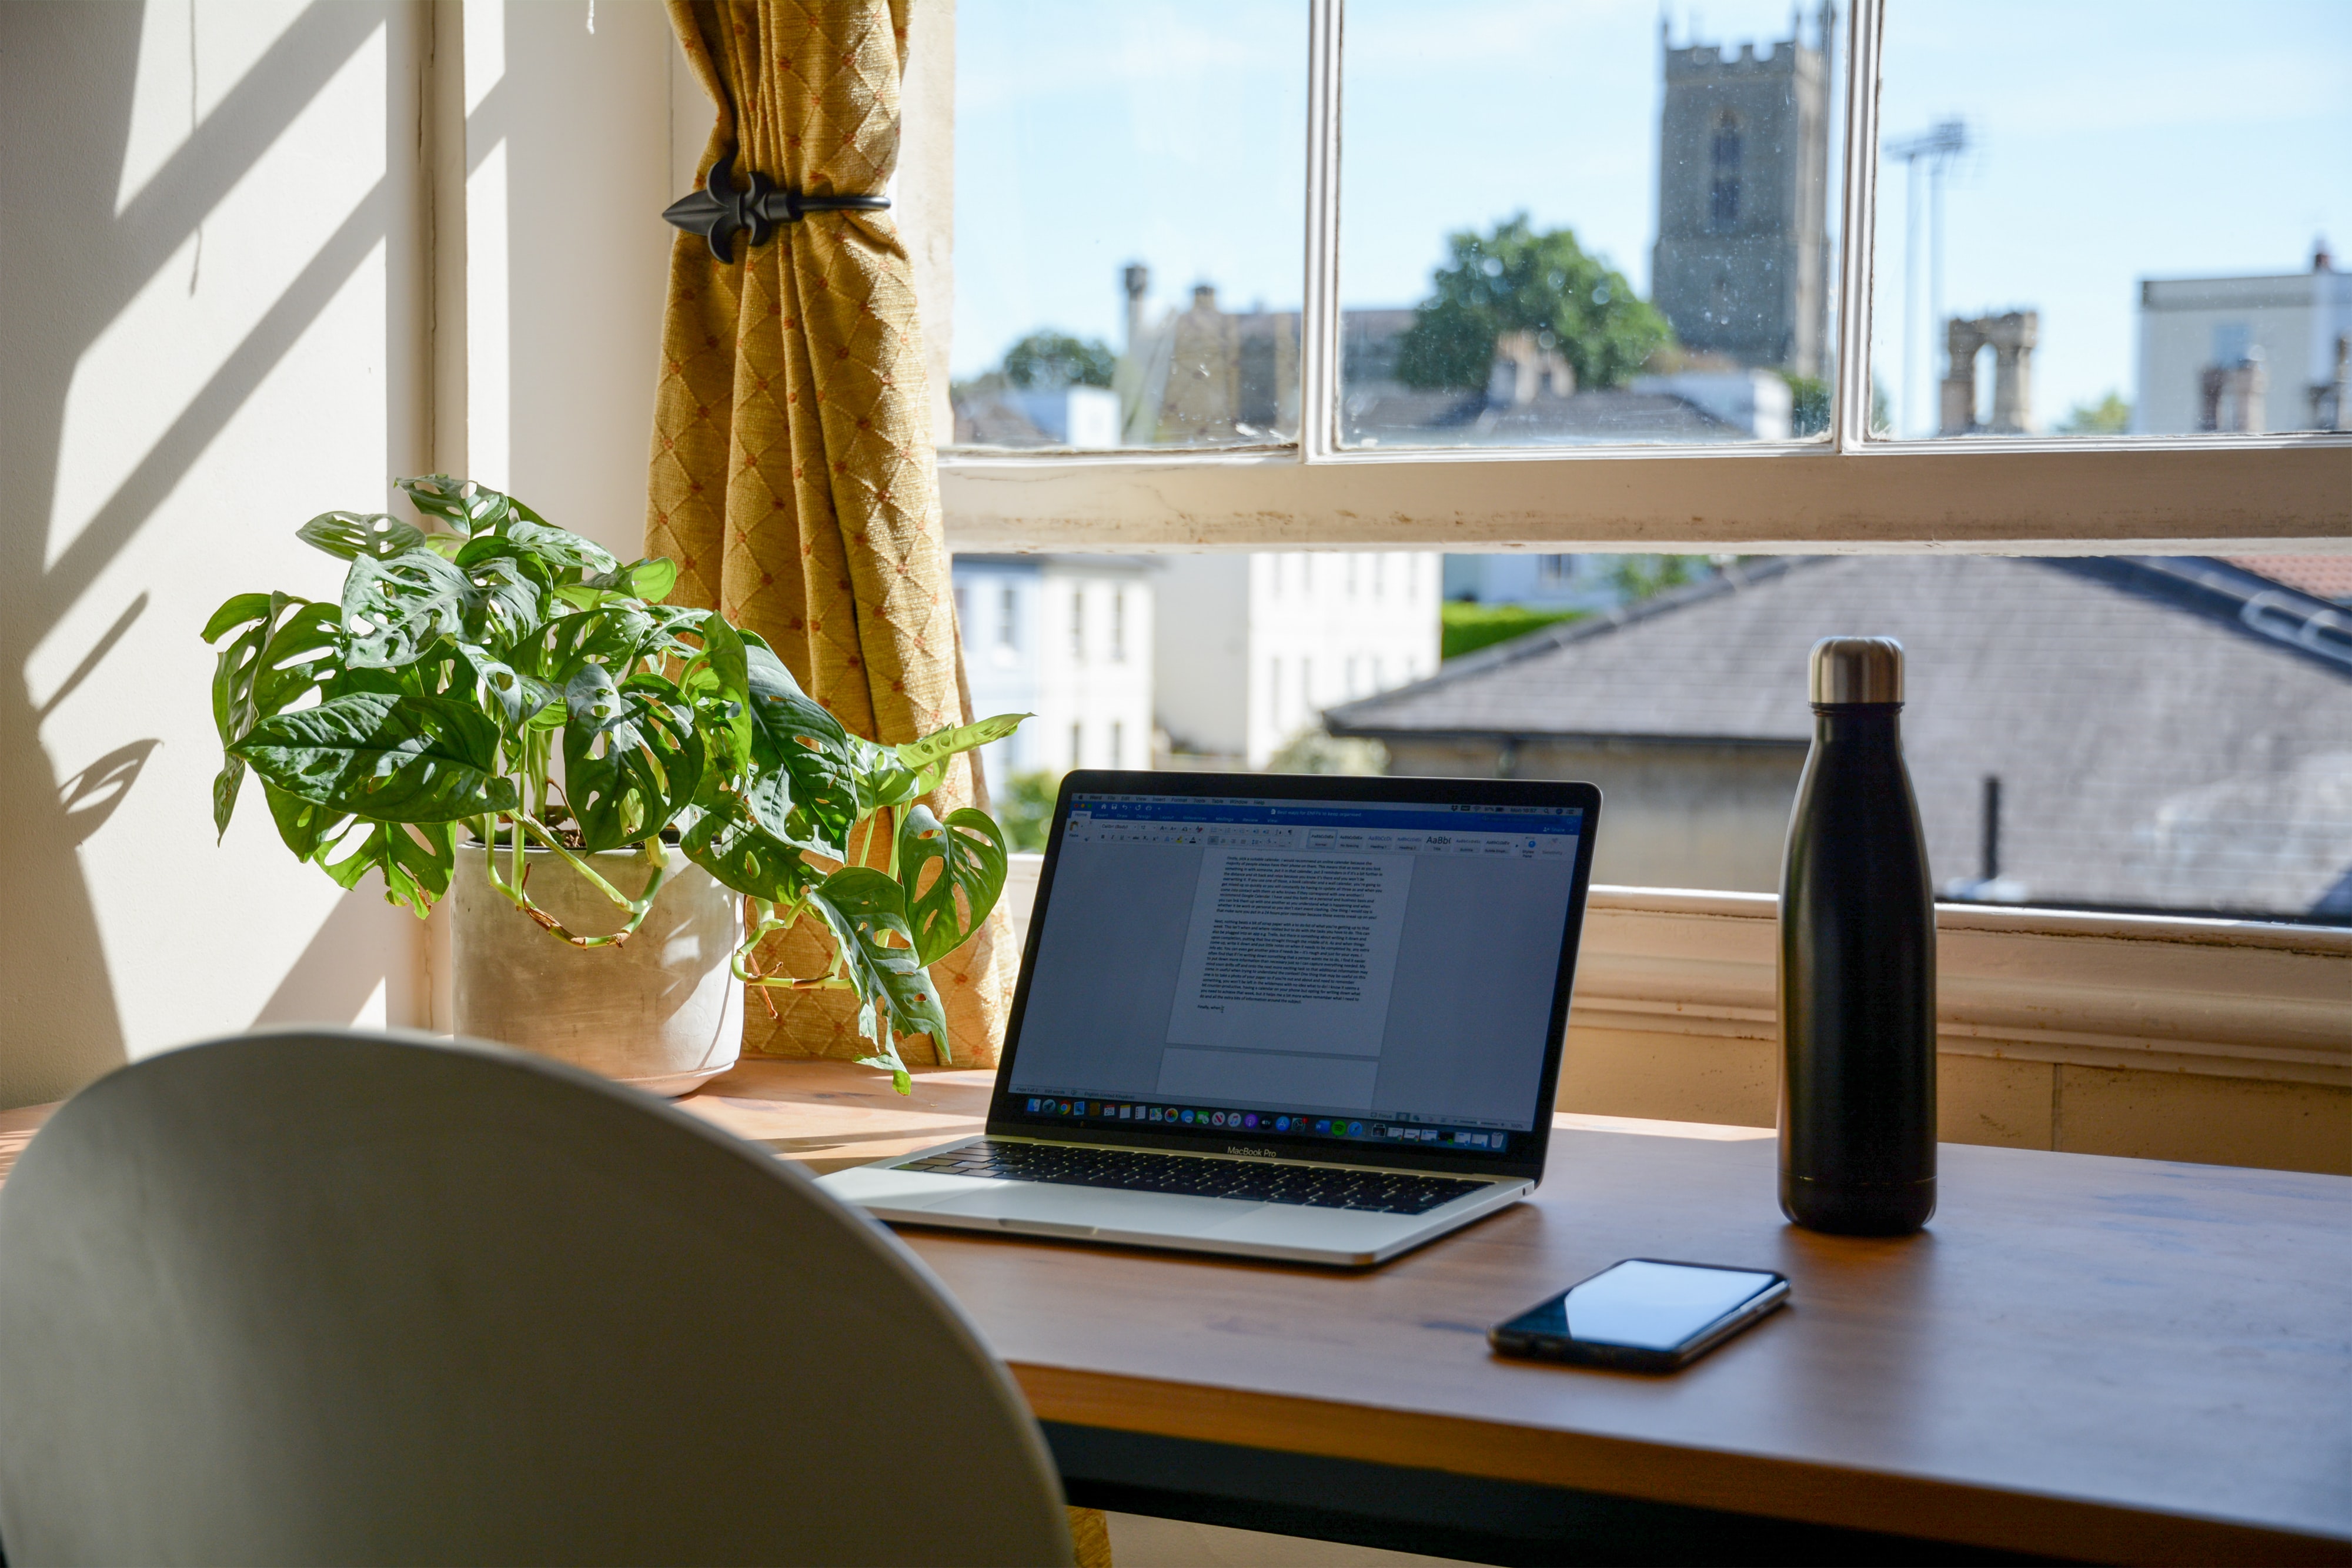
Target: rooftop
2170 733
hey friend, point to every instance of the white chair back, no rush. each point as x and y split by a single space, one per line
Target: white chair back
330 1297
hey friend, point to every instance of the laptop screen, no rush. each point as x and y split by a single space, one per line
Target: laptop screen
1350 972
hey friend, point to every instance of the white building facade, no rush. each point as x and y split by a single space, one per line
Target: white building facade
1068 639
1252 648
1539 580
2244 353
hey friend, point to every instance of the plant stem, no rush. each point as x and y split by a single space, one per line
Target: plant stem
547 839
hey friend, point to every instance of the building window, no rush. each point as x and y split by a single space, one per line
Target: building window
1723 187
1118 636
963 614
1117 742
1077 623
1077 745
1008 616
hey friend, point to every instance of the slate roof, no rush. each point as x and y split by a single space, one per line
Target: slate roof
1385 412
2170 733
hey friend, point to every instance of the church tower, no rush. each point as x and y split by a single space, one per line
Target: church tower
1742 261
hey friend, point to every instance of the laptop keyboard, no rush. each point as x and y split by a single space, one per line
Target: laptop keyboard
1136 1170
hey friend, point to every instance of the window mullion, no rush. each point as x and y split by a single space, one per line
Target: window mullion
1318 323
1850 408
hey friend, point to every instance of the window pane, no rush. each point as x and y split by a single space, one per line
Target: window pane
2167 734
1561 227
1216 661
1130 212
2109 217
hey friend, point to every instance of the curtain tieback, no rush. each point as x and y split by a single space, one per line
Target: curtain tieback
719 212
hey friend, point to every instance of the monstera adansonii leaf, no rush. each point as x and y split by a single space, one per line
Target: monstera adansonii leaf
468 508
631 756
390 757
351 535
728 842
865 908
929 756
394 609
803 787
236 673
967 849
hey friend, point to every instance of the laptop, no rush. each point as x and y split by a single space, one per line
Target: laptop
1313 1018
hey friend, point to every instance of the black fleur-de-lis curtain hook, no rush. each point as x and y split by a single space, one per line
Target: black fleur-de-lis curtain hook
719 212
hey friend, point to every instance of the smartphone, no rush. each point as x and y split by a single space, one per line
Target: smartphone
1644 1314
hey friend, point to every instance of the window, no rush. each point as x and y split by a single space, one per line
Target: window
1008 609
1077 623
1886 368
1117 742
1118 636
1532 96
1128 251
1078 745
1723 187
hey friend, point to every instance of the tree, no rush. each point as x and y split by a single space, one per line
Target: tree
1640 577
1809 405
1517 281
1051 359
2111 415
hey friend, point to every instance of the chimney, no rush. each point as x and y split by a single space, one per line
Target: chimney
1137 278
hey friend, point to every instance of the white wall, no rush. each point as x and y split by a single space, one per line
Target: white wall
1253 648
1094 680
210 312
232 296
1327 627
568 142
2293 319
1201 650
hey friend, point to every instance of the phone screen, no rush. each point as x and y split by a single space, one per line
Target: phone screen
1644 1304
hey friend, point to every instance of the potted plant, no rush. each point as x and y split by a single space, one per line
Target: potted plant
506 707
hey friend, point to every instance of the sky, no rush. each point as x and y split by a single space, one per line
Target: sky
2109 141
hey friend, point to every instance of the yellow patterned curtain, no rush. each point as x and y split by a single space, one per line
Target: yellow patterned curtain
792 472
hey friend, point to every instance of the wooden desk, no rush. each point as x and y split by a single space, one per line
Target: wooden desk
2105 1359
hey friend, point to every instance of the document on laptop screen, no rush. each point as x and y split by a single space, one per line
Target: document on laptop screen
1371 959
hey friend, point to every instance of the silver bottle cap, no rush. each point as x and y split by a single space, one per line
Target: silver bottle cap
1857 670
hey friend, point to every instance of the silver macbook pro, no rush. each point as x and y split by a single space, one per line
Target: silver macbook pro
1309 1018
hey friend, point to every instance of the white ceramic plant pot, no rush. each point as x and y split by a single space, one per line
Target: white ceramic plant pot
661 1012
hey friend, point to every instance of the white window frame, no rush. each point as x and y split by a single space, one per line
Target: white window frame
2074 495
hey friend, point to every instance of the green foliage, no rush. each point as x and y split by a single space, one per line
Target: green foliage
1319 751
1809 405
1517 281
1026 806
459 667
1464 627
1051 359
1640 577
2111 415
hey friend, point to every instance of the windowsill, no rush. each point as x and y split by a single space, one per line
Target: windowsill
2234 999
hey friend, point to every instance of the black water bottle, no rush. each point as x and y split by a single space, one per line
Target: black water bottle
1857 963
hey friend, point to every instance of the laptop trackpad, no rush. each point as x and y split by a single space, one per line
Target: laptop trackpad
1081 1208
